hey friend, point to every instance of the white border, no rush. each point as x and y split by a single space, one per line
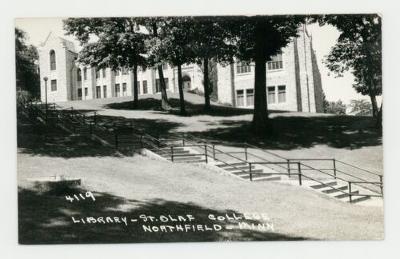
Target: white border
53 8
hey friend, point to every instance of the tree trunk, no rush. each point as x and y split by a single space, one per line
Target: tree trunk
164 98
374 105
379 118
260 112
180 87
207 106
135 88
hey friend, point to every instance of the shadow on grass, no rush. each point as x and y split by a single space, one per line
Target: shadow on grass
192 109
292 132
46 218
39 139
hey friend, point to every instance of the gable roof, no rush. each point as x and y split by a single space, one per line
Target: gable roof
69 45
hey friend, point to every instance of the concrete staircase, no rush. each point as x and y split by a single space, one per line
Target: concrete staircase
242 170
339 190
181 155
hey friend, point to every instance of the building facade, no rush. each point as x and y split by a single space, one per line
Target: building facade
293 78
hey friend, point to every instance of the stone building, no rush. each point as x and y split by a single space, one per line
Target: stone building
293 78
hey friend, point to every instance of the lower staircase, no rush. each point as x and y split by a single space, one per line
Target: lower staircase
242 170
340 190
181 155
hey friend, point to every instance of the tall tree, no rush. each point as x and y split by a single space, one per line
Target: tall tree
212 40
154 27
258 39
118 44
26 58
175 47
359 50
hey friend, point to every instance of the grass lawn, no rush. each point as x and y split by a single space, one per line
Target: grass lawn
126 185
136 185
293 135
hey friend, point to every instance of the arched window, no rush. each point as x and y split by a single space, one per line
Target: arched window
79 74
52 60
84 73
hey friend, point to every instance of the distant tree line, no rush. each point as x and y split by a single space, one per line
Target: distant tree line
27 69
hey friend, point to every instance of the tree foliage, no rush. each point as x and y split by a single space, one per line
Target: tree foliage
212 42
117 44
358 50
337 107
361 107
26 58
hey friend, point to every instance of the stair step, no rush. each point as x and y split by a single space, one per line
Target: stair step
267 178
238 167
177 152
190 161
247 176
177 149
345 195
230 165
185 158
320 186
247 171
331 190
360 199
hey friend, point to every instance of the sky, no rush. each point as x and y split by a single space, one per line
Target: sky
323 38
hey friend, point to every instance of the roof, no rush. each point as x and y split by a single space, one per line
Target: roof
69 45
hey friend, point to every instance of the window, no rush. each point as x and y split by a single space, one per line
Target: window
239 98
281 93
164 66
249 97
166 83
123 89
86 91
97 73
138 87
158 85
117 90
125 71
53 85
84 73
98 92
243 68
144 86
275 63
80 94
103 72
104 91
52 60
79 75
271 94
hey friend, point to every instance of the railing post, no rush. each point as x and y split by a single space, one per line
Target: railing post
299 169
183 142
213 149
288 167
205 153
141 141
350 198
334 167
381 185
250 172
172 154
245 153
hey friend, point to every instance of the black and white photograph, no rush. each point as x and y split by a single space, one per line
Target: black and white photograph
153 129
